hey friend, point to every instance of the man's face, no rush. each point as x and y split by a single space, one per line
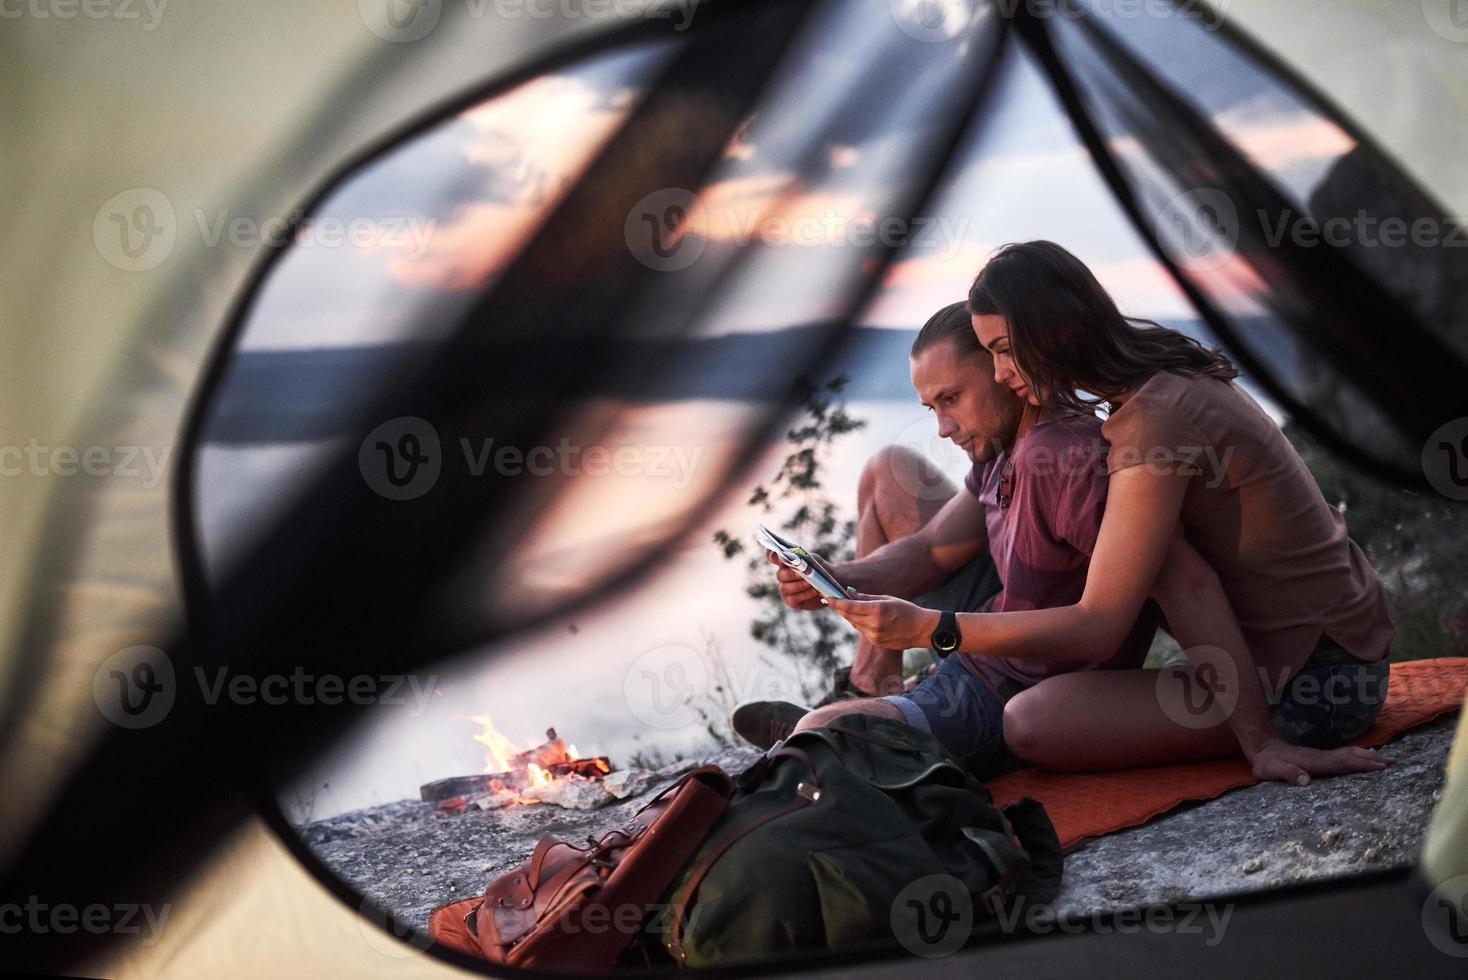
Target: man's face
979 416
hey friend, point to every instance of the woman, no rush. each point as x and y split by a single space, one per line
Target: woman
1304 634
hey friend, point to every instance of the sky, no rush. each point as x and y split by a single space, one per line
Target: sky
447 210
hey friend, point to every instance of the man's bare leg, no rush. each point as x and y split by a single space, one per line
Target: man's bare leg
899 491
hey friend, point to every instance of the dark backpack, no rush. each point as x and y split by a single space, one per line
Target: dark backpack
865 833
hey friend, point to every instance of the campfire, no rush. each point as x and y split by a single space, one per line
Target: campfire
551 772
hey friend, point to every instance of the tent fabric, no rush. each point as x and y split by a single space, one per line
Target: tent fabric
247 110
251 135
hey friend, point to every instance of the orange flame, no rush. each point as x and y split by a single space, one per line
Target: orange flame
498 750
538 776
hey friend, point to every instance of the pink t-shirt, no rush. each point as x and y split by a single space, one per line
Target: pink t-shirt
1042 540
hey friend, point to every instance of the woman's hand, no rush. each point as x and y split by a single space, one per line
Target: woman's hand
1278 759
888 622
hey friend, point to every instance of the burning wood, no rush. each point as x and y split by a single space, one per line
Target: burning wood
522 776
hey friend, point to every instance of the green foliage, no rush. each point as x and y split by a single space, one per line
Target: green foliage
796 504
1418 544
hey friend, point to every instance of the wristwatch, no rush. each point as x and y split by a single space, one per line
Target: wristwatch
945 638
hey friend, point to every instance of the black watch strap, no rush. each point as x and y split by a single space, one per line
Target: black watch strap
946 637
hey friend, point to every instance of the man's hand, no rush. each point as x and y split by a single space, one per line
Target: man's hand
1278 759
888 622
796 591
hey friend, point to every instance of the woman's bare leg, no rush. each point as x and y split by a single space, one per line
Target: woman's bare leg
899 491
1115 719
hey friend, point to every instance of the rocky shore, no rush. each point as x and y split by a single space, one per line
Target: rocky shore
409 857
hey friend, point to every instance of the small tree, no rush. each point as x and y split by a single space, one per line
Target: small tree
813 643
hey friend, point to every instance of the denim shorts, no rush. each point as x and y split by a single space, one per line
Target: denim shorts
964 714
1333 700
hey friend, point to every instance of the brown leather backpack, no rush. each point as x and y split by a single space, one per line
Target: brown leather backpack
576 908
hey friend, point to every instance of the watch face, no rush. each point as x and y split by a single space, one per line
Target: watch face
945 640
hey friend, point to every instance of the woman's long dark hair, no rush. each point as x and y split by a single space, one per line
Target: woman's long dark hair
1065 332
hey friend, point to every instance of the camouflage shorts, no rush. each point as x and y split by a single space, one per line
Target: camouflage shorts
1333 699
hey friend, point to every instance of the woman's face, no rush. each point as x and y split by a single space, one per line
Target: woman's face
993 333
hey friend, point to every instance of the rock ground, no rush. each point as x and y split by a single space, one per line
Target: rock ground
409 858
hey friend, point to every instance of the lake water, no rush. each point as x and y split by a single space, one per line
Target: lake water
608 678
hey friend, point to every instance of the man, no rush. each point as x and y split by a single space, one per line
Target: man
1018 536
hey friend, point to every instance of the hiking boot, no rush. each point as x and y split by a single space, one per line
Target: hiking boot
763 723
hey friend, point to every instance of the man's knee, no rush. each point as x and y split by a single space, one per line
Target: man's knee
1024 724
899 479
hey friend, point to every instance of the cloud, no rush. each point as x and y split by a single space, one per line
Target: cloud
531 142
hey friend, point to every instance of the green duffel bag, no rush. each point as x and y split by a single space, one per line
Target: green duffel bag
862 834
